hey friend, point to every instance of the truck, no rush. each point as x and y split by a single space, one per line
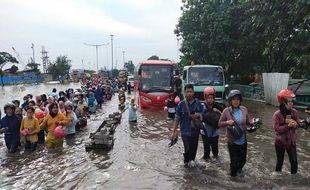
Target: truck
202 76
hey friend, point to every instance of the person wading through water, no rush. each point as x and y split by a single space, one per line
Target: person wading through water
188 111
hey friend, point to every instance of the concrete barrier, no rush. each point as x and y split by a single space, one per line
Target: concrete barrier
103 137
273 83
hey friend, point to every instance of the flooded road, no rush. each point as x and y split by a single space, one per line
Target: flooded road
141 158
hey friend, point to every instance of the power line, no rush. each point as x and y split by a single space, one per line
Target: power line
96 45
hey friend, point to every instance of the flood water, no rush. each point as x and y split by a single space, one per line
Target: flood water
141 158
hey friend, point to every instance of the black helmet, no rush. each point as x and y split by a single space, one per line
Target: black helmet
16 102
30 96
9 105
234 93
61 93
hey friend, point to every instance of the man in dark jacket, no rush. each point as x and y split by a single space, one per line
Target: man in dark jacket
187 111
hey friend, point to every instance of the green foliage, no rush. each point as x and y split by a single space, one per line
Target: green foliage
153 57
246 36
34 67
13 69
89 71
115 73
60 68
5 58
130 67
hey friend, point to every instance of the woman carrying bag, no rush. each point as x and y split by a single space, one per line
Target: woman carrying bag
235 119
285 123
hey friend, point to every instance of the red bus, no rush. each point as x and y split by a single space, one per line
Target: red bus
154 82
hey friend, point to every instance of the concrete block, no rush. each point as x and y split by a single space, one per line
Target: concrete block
99 141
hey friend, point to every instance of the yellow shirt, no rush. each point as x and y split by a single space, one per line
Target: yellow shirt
51 123
33 127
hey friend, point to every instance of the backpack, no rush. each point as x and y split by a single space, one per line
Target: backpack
212 118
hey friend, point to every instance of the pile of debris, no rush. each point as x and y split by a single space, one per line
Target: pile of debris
103 137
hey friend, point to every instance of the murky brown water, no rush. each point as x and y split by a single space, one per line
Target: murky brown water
141 158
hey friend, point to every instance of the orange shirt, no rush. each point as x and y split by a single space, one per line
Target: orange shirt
51 122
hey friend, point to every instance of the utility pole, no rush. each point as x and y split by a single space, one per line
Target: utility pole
32 47
96 45
112 49
107 62
124 57
83 64
107 56
116 61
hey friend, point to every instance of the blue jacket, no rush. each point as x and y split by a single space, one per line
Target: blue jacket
132 112
12 128
183 117
99 95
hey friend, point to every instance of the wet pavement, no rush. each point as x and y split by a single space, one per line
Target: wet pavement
141 158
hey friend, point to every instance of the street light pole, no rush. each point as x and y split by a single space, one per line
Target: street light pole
124 57
116 57
32 47
106 46
97 58
112 49
96 45
107 56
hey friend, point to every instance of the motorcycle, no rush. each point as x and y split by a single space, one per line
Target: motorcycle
256 124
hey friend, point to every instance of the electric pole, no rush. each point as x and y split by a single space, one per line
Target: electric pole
32 47
112 49
124 57
116 61
96 45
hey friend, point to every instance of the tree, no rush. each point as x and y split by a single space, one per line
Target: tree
245 35
13 69
153 57
210 32
4 59
115 73
60 68
130 67
34 67
281 25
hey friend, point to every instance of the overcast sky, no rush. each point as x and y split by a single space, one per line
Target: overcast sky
141 28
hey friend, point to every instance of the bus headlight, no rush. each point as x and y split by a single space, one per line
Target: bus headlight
146 99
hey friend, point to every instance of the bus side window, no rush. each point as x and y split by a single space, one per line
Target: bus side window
184 74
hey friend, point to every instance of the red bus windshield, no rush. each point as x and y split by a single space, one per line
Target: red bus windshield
156 78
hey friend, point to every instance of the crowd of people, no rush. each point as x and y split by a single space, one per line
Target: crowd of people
195 118
49 118
52 117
